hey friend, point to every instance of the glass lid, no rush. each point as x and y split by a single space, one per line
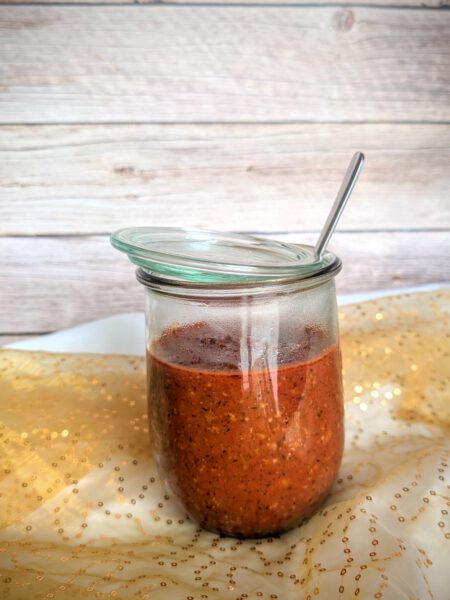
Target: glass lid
202 256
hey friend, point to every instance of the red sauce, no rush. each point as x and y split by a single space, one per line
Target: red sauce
250 452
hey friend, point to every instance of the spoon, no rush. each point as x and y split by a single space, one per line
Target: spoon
352 174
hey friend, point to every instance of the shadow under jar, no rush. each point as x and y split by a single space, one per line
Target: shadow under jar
245 392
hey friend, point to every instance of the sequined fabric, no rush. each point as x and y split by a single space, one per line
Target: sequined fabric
84 515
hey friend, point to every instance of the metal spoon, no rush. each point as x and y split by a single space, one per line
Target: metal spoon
353 171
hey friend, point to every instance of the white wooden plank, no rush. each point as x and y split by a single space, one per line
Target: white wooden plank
371 3
318 3
120 2
206 64
96 178
53 283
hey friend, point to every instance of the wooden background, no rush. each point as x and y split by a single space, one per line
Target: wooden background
228 115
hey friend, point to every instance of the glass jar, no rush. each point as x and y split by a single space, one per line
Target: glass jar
244 375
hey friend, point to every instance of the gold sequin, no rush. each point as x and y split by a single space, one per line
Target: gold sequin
84 514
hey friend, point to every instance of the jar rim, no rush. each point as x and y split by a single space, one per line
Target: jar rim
198 258
223 290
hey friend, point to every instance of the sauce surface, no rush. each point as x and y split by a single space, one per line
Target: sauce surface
249 439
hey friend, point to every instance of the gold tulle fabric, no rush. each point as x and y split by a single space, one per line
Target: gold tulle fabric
84 515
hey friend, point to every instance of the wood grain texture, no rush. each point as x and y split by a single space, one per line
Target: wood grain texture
96 178
398 3
53 283
371 3
435 3
205 64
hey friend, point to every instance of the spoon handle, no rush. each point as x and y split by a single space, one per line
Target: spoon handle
343 195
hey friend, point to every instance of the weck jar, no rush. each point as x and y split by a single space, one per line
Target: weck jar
244 375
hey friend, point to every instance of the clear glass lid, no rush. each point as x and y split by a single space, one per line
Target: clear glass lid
209 257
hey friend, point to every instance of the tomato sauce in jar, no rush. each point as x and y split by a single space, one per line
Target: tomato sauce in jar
250 450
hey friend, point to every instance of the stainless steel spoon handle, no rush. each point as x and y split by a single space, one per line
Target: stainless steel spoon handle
343 195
